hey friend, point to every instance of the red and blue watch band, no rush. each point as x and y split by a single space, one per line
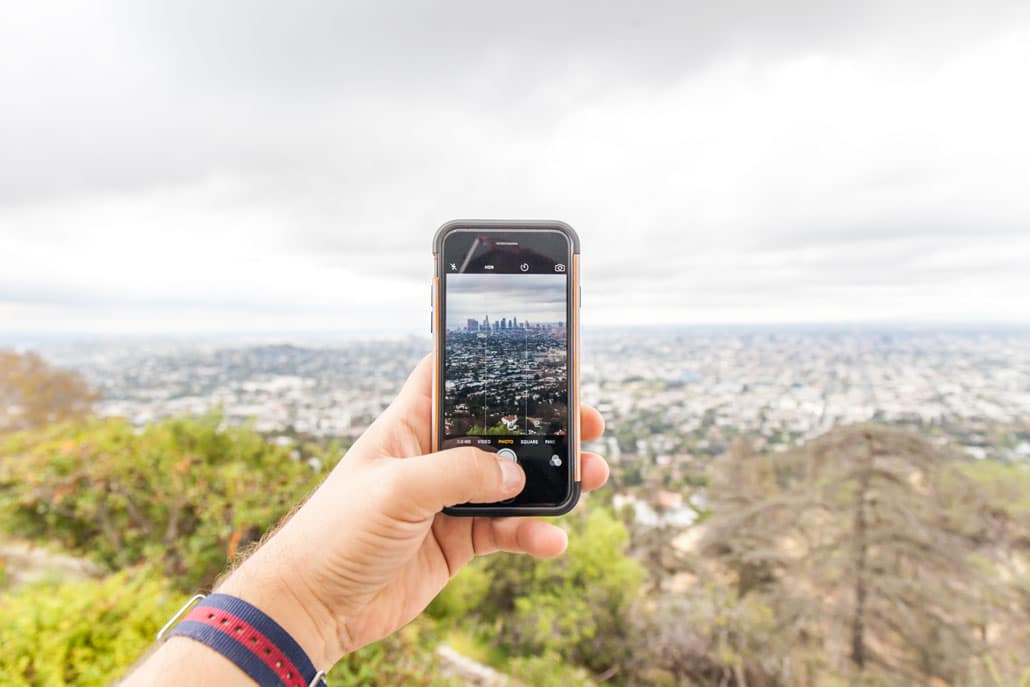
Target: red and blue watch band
255 643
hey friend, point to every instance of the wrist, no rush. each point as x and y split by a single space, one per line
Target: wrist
265 581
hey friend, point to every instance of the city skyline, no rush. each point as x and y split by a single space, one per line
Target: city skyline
529 297
502 323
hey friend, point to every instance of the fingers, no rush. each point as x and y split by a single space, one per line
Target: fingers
537 538
466 474
591 422
457 475
593 471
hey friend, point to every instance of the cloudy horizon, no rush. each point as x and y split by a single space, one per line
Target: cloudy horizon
534 298
175 168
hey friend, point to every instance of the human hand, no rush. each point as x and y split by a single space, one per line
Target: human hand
370 549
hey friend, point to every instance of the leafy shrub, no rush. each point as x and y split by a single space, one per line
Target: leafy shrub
81 633
577 605
572 608
464 594
186 492
405 658
548 671
90 633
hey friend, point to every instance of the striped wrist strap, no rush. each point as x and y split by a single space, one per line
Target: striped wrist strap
250 639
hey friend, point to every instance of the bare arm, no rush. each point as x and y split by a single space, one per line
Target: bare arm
370 548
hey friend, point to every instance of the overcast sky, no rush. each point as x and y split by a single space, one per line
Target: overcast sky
281 167
532 298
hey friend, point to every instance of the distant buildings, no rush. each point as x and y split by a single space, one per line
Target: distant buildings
513 377
506 324
665 395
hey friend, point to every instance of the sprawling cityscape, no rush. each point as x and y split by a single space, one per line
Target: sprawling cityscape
671 397
680 406
508 377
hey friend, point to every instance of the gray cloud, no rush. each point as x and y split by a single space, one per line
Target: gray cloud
528 297
708 153
151 93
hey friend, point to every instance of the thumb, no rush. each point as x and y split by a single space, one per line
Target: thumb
458 475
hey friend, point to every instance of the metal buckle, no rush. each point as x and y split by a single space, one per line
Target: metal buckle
178 614
320 675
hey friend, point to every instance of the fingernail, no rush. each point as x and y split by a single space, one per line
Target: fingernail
512 476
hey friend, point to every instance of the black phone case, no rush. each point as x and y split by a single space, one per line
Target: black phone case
575 484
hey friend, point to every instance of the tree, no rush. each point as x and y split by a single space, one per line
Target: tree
862 543
34 394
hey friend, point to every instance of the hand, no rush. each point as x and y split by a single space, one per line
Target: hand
370 549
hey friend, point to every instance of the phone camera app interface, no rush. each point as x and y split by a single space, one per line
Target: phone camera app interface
506 342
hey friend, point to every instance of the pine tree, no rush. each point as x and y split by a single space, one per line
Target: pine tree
860 541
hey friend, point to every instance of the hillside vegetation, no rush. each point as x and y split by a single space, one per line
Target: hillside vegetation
867 556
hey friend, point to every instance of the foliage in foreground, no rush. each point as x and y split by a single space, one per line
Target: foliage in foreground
405 658
81 633
573 608
90 633
187 493
766 598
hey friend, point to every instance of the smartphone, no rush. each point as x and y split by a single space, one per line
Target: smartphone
505 321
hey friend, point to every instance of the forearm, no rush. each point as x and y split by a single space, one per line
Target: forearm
182 661
367 551
262 583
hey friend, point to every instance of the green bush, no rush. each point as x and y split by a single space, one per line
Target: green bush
462 595
548 671
572 608
405 658
90 633
186 492
577 605
81 633
182 496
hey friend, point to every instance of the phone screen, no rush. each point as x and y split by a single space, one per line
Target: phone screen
505 386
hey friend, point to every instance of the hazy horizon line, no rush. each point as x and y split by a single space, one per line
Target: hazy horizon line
967 326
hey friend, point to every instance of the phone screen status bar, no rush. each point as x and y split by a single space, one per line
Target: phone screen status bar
508 267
